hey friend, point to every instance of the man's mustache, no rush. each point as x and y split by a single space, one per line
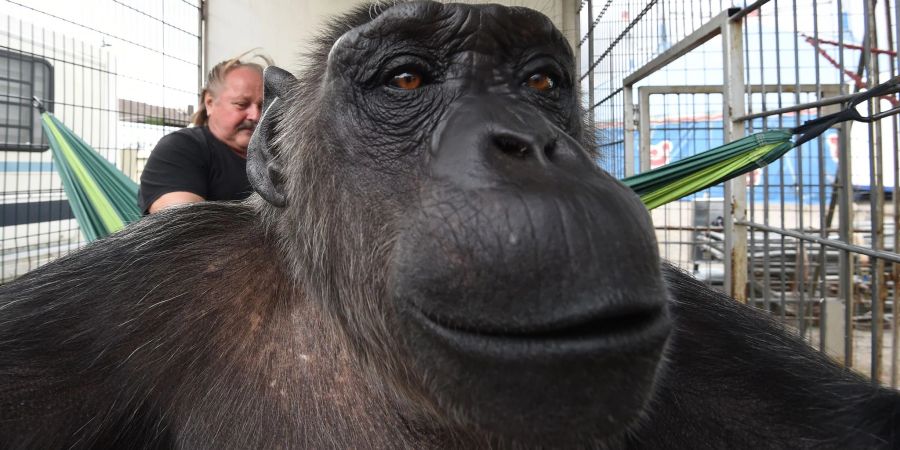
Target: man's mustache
247 125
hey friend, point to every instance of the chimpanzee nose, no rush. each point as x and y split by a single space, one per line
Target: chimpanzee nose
524 145
487 140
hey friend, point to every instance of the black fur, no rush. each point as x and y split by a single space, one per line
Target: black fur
738 379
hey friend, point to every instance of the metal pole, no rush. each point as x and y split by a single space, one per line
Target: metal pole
590 43
644 130
882 254
735 189
876 202
895 328
845 213
202 47
628 129
753 245
819 273
799 273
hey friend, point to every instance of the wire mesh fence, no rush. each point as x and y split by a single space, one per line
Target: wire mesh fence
121 74
819 224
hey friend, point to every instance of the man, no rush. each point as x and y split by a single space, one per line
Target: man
208 161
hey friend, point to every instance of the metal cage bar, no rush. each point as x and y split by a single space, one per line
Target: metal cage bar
812 237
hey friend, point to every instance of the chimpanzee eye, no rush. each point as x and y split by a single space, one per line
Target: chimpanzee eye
541 82
406 80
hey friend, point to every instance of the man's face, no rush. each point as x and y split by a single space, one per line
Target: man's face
235 109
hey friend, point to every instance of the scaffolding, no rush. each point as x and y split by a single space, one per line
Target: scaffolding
811 238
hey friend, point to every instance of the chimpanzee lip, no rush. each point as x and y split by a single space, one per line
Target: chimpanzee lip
608 330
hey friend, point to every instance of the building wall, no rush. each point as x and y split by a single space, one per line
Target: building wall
283 28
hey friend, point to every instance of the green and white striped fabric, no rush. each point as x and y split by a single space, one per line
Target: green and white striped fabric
102 198
703 170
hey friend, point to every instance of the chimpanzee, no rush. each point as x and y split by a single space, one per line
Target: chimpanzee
433 260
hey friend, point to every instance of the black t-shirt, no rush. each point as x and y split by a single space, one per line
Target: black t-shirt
193 160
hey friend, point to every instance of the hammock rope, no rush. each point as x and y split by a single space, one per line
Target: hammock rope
690 175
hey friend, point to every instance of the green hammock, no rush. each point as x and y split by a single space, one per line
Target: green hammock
687 176
102 198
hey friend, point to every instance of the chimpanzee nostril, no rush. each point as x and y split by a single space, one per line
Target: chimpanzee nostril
512 146
525 147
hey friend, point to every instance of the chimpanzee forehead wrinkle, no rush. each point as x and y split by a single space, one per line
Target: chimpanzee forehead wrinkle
489 29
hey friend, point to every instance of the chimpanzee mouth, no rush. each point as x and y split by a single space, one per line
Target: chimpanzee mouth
618 331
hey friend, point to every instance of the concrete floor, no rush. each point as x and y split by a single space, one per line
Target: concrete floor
862 354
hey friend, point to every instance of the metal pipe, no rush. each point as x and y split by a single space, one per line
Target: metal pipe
590 41
735 189
747 10
845 212
876 199
880 254
709 30
801 250
628 129
644 131
895 268
767 242
820 157
800 107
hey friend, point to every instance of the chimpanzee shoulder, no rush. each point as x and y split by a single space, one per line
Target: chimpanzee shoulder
95 343
736 378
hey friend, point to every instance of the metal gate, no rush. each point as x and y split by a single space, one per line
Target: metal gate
810 238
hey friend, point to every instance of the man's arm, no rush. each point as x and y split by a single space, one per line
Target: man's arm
176 173
174 198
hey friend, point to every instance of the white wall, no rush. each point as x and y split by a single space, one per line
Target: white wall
283 28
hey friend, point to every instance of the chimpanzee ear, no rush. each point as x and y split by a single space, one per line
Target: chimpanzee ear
263 169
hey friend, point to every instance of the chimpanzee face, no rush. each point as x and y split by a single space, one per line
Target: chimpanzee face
397 77
520 281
